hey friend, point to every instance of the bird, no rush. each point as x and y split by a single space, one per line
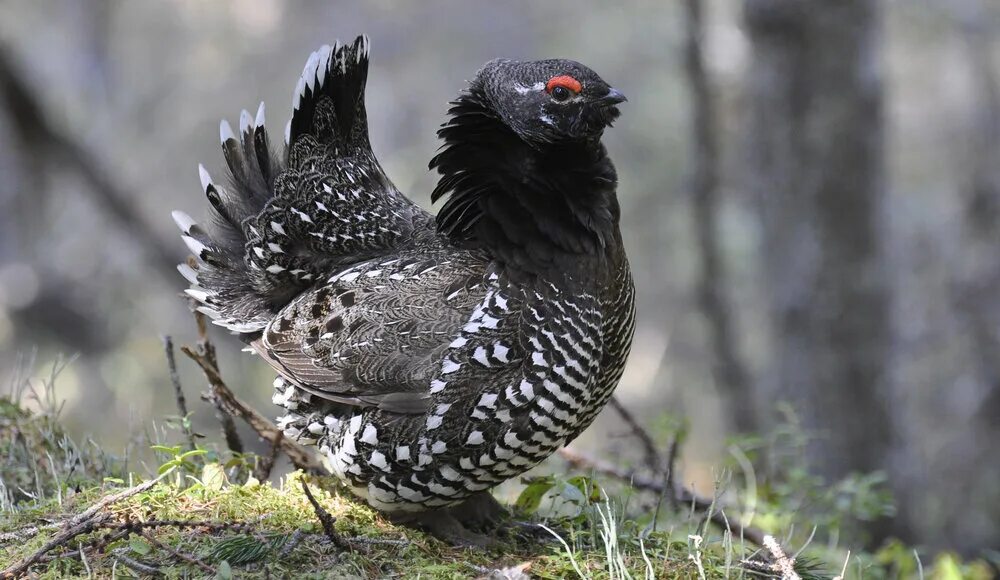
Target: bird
428 357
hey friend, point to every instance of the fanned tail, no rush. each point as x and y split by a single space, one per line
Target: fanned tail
221 280
284 221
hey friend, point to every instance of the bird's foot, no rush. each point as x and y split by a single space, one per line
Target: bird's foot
480 512
443 525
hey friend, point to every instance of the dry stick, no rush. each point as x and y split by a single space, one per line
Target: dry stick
119 554
60 539
83 523
175 379
207 352
649 447
223 396
263 470
678 493
325 519
298 455
190 559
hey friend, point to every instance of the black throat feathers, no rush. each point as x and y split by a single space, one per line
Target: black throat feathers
544 209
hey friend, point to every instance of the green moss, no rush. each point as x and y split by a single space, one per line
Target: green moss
285 537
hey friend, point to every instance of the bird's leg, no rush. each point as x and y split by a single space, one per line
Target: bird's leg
480 512
443 525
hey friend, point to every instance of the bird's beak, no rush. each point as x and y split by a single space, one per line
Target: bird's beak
613 97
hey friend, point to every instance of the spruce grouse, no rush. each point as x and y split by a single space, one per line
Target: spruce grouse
429 358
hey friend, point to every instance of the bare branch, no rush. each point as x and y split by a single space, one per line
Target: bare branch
207 358
233 407
175 379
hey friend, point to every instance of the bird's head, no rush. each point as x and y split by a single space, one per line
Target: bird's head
548 101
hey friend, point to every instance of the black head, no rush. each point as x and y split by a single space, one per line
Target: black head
546 101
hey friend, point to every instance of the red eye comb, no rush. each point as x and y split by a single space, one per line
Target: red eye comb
565 81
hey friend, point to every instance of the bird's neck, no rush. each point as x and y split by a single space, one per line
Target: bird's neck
547 210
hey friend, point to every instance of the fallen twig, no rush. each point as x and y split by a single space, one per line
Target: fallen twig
119 554
189 558
206 351
649 447
325 519
83 523
781 564
60 539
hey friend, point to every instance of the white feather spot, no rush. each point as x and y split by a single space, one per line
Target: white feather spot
488 400
245 121
378 460
204 177
194 245
259 120
527 390
403 453
480 356
188 272
197 294
475 438
449 366
437 386
370 436
538 359
226 132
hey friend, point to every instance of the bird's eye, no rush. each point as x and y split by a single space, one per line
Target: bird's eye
561 94
563 88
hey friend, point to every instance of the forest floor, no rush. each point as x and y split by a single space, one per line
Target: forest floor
70 510
191 521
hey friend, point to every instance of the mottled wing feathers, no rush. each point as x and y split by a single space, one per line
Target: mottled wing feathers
376 334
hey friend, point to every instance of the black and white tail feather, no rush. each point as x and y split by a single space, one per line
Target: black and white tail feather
286 218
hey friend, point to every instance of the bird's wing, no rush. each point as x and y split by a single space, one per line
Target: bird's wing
379 333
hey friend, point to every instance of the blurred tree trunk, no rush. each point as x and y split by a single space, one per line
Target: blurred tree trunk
976 299
730 374
815 166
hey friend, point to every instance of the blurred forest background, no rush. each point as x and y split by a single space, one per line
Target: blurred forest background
811 210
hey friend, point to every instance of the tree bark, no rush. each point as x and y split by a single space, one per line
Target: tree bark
815 167
976 301
731 376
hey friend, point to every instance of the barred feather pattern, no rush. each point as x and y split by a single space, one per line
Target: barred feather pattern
522 372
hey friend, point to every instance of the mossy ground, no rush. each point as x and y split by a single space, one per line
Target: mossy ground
284 540
265 530
248 529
